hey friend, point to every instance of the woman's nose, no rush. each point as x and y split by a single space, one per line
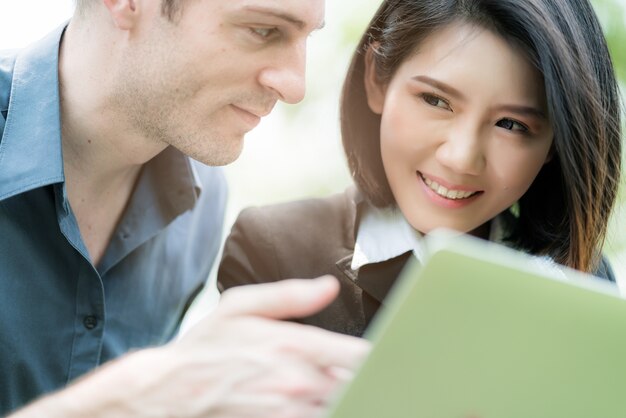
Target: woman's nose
462 151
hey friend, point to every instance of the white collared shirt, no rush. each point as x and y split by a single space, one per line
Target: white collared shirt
384 233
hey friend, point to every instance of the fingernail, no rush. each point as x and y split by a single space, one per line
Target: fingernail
340 373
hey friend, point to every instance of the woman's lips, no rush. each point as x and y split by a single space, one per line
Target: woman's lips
453 193
447 196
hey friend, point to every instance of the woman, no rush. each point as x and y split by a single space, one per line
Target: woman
497 118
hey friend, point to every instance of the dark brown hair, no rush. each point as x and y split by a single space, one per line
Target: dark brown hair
565 212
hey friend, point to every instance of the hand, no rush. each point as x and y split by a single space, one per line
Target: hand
271 368
239 362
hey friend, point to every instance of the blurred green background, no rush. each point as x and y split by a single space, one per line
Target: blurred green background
296 152
613 16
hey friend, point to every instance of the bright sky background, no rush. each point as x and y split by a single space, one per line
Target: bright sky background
273 151
296 151
24 21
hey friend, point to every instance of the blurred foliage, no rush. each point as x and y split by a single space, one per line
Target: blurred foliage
613 18
296 151
612 15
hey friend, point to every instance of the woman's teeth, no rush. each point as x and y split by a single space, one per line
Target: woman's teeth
448 194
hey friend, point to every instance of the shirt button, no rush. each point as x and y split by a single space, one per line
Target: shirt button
90 322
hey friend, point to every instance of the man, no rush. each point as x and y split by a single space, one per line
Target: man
109 229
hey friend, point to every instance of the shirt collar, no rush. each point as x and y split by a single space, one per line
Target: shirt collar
173 179
399 236
388 222
30 149
168 186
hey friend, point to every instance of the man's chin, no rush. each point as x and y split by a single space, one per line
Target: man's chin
217 156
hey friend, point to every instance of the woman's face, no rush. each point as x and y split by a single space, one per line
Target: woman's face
464 129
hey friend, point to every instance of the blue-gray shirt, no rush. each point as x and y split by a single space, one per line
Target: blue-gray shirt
61 316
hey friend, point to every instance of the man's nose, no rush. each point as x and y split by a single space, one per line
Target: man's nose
286 75
462 151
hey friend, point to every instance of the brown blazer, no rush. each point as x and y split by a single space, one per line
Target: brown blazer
307 239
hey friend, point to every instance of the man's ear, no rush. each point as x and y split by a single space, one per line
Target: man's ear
123 12
374 89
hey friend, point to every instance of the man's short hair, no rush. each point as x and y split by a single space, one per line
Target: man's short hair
169 8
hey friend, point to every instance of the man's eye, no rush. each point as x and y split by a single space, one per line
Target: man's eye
264 33
435 101
511 125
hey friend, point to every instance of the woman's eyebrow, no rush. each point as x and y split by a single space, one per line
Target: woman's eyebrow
523 110
446 88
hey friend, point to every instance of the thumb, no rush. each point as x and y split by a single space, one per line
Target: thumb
293 298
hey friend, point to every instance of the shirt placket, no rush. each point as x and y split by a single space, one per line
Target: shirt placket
89 322
89 319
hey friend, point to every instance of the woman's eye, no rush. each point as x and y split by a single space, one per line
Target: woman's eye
511 125
435 101
264 33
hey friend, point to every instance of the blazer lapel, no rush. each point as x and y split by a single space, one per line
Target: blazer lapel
377 278
353 202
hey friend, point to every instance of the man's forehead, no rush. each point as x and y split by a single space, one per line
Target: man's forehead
303 14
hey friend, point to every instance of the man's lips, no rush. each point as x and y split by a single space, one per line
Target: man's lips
250 118
258 113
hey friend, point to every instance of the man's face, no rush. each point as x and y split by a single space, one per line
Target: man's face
201 82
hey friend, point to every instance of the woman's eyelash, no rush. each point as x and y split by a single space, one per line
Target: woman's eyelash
505 123
435 101
510 124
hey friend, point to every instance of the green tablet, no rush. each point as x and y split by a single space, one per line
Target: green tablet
482 331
